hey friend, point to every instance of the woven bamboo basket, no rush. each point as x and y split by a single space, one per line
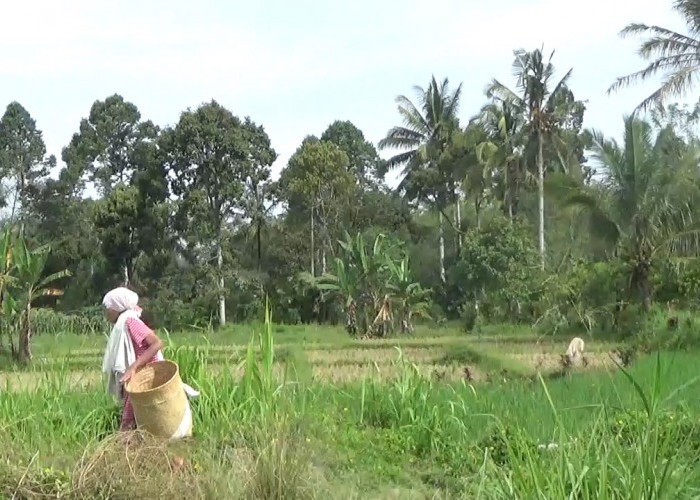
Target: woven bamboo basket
159 399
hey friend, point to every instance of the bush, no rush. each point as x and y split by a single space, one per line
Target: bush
677 282
587 295
658 331
498 268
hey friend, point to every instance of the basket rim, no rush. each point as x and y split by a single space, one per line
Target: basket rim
163 362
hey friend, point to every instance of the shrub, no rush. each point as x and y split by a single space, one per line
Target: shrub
498 268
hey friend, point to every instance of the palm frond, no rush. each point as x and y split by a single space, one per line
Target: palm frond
413 119
53 277
561 85
601 224
676 84
500 91
690 10
677 55
401 159
48 292
636 29
453 101
684 243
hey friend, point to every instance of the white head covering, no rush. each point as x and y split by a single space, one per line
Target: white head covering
121 299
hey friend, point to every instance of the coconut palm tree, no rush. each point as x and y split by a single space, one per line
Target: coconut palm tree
643 207
421 139
540 101
673 54
504 126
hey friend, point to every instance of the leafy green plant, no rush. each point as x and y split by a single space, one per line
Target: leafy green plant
375 289
643 209
23 284
411 299
497 270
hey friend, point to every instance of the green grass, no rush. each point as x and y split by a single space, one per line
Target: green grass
619 435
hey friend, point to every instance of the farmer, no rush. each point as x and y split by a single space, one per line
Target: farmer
131 345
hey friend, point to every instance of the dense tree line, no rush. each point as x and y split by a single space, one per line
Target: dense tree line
517 214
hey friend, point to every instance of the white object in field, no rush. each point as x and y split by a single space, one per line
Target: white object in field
575 349
185 428
191 392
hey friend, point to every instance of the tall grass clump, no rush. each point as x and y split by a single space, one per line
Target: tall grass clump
431 420
258 422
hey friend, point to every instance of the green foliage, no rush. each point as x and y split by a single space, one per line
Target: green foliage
677 281
105 150
211 153
190 217
363 160
663 329
22 282
643 211
22 154
318 186
588 295
422 139
46 321
213 157
498 268
588 433
372 285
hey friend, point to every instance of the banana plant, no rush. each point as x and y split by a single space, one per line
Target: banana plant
361 282
375 289
21 284
343 285
411 299
8 304
30 285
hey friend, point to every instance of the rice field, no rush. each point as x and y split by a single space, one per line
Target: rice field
310 413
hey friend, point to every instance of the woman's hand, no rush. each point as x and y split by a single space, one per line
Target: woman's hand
128 374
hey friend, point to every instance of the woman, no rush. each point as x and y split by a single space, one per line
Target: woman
131 345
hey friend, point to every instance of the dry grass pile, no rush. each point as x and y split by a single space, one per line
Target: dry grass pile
273 463
142 467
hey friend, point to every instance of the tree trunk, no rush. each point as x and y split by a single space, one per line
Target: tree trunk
458 220
25 339
442 247
222 294
259 243
313 250
323 261
508 193
125 275
540 186
641 279
477 213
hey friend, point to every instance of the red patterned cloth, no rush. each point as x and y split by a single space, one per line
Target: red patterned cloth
138 332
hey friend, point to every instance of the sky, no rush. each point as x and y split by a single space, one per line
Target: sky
297 66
